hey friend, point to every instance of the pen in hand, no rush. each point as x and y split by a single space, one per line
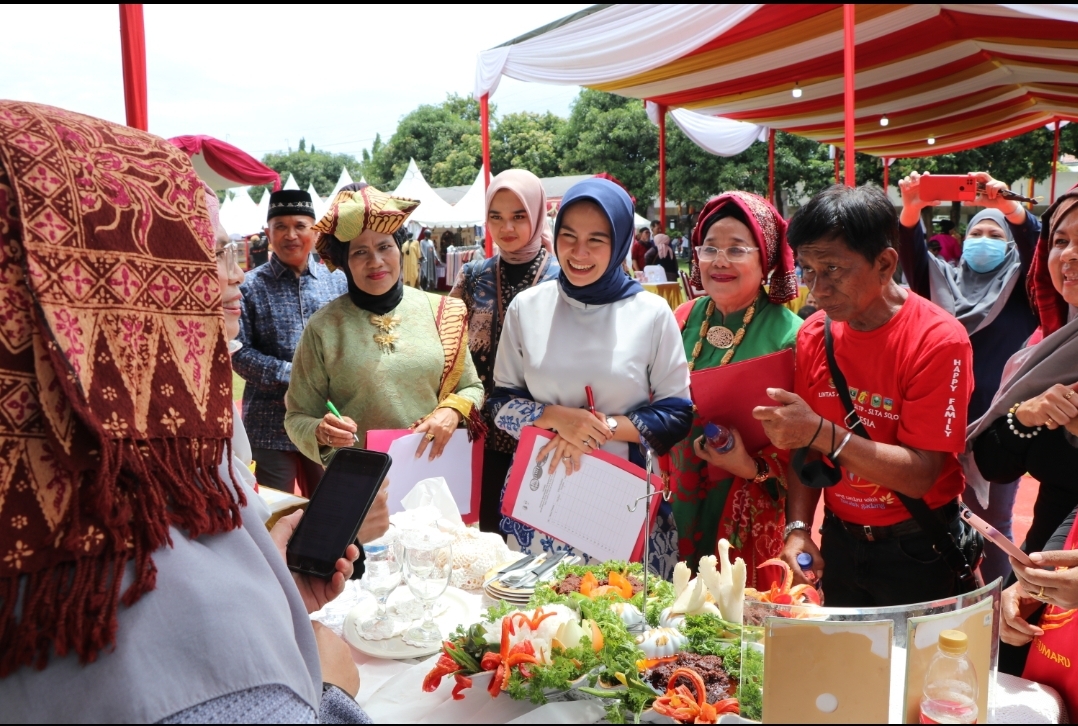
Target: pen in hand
333 410
591 401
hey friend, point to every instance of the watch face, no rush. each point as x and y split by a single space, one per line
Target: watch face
611 423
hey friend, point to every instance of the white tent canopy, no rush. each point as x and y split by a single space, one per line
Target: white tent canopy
342 181
720 136
316 202
263 207
472 207
433 211
240 215
291 183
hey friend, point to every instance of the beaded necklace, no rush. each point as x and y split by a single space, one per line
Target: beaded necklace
737 338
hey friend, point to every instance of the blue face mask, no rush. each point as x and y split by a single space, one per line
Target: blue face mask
983 254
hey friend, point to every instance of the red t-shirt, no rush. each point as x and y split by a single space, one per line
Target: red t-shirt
910 380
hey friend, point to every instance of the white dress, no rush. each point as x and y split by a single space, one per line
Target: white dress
630 352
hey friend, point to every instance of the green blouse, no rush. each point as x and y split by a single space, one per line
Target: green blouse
338 360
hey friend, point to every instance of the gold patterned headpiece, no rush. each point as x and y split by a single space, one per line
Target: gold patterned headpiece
353 211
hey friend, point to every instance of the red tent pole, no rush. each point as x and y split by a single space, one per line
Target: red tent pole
886 175
484 128
838 156
1055 160
848 23
133 48
662 167
771 165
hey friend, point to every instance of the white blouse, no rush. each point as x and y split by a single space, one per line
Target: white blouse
630 352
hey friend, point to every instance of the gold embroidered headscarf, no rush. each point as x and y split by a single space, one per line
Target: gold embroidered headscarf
353 211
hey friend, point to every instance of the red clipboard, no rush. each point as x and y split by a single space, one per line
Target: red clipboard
519 471
727 394
379 440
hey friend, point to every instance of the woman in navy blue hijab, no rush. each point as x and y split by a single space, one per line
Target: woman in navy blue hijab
595 327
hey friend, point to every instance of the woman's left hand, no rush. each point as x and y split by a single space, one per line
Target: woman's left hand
315 591
737 460
437 431
1056 587
564 451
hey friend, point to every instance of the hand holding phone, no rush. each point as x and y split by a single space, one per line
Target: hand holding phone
336 511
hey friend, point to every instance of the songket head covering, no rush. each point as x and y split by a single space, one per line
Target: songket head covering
976 298
616 204
290 202
1049 303
115 389
356 208
662 244
529 190
769 232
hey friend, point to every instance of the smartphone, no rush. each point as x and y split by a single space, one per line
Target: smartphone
948 187
995 536
336 510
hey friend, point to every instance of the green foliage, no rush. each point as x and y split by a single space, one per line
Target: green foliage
443 139
612 134
309 166
527 141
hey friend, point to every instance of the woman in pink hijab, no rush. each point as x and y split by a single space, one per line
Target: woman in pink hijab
662 254
517 226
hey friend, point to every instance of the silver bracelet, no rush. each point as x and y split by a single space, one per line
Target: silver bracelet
796 524
836 452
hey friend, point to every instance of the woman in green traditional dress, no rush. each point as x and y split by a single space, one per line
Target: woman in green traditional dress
388 356
739 242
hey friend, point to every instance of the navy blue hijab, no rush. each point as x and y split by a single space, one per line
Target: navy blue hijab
614 285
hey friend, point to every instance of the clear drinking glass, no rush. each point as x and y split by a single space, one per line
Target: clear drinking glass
383 575
428 565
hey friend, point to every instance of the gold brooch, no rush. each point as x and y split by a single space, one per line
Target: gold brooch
385 337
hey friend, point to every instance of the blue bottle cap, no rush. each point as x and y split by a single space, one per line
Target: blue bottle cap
710 430
804 560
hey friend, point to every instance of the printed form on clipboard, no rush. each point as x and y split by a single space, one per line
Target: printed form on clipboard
588 509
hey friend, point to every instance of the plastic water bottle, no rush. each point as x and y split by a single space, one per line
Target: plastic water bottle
804 561
719 438
950 693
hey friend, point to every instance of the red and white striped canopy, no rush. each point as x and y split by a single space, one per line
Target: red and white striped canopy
961 75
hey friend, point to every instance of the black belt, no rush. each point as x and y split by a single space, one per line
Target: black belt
947 513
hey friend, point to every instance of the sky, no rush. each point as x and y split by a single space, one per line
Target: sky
261 77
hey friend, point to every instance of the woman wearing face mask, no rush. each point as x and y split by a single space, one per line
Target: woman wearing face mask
593 328
1033 427
986 292
739 243
517 224
388 356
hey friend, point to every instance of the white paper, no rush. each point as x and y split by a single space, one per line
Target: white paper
587 510
454 465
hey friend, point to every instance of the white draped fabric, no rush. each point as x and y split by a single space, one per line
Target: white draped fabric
714 134
608 45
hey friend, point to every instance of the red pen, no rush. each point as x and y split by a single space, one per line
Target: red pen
591 401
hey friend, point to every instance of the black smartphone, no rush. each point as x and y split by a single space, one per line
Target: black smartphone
336 510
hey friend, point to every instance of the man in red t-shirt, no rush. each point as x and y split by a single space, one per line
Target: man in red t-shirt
907 365
640 248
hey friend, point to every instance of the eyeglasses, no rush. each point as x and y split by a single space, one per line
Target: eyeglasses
733 254
229 254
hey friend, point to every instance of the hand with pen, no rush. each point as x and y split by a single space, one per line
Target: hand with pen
578 431
336 430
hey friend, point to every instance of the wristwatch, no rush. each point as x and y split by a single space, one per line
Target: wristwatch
612 424
796 524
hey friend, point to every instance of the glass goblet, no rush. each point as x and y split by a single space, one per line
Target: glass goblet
428 565
383 575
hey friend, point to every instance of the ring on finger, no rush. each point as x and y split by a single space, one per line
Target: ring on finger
1069 396
429 436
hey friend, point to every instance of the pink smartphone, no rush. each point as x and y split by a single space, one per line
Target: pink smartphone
995 536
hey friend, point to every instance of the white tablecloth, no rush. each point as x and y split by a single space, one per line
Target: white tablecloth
391 690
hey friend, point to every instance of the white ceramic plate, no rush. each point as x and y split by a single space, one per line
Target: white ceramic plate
450 610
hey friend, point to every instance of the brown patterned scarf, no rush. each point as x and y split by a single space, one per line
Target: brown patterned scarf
115 387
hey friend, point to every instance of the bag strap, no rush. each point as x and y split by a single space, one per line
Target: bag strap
943 540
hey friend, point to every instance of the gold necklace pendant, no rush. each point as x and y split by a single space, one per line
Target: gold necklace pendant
720 337
386 337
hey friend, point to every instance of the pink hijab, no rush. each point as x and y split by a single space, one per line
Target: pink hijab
662 244
529 190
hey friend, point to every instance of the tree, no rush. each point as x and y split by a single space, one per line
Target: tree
612 134
443 139
320 168
527 141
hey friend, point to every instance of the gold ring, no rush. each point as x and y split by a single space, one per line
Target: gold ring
1050 420
1069 396
1040 594
566 458
429 436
